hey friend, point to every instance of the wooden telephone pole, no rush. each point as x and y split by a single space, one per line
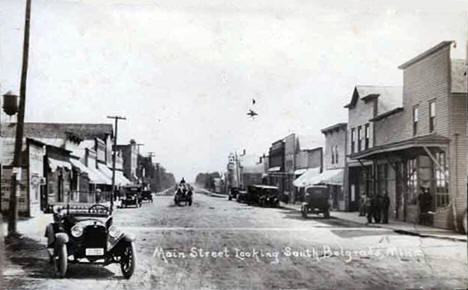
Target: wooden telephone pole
13 206
114 151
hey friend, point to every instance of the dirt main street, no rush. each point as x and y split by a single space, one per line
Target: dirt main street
221 244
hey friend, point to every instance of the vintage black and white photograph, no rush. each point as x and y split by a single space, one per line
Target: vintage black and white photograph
233 144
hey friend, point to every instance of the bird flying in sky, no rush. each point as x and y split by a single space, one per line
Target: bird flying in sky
252 113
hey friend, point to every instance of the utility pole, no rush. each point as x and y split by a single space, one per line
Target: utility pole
151 167
114 151
13 206
466 132
139 170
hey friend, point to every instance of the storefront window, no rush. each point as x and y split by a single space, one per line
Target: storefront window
412 181
441 180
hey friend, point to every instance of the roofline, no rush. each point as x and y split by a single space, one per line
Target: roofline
386 114
426 53
333 127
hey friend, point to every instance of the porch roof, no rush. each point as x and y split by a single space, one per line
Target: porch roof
411 145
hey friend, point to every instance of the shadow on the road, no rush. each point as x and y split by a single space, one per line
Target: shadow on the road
32 257
332 221
80 271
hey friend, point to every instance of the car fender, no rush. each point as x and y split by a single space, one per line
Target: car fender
128 238
61 238
120 239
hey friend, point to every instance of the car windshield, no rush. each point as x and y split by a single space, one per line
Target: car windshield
316 190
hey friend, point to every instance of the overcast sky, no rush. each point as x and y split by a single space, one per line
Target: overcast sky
184 72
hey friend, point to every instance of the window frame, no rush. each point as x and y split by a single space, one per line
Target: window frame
415 119
432 115
366 136
359 138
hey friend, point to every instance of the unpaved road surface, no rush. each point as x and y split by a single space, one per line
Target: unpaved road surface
221 244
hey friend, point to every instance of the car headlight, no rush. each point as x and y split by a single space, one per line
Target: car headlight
114 232
77 231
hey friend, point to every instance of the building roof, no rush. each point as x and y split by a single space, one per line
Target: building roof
307 142
248 160
426 53
386 114
389 97
458 78
59 130
334 127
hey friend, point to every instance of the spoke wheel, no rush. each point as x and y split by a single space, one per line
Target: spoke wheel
127 261
304 212
61 261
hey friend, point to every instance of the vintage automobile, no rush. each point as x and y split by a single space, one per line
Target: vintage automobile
233 191
183 193
132 196
147 195
241 196
84 233
263 195
316 200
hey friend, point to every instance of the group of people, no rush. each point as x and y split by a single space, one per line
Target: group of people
375 208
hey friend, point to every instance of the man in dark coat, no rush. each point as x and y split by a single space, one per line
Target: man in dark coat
425 204
377 208
385 207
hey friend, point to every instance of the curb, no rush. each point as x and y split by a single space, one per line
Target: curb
396 230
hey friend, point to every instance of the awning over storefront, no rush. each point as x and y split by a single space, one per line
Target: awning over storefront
303 180
410 146
330 177
300 171
274 169
105 170
54 164
120 179
95 177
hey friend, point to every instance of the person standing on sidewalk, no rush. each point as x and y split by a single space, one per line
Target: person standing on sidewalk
425 203
385 207
362 205
377 200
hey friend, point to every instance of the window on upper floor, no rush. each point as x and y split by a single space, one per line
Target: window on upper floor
336 152
432 114
360 137
415 119
332 149
367 136
353 140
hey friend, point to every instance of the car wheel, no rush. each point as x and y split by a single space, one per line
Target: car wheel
230 197
326 214
127 261
304 212
61 261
